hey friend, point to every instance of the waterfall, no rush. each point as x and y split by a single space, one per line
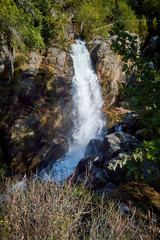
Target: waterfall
87 115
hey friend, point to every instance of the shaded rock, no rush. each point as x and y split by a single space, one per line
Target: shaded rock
85 165
155 41
140 134
92 147
94 170
153 47
109 187
40 111
49 153
88 171
132 125
63 87
123 104
138 194
28 93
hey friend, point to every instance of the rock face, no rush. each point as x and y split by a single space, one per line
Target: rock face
41 106
28 93
94 171
6 65
108 66
40 113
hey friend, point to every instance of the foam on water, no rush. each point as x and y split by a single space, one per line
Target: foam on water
87 115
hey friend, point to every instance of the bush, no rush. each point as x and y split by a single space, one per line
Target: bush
50 211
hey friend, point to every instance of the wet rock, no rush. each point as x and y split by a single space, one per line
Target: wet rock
96 168
49 153
92 147
89 171
63 87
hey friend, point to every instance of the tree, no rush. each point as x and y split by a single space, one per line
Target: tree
144 97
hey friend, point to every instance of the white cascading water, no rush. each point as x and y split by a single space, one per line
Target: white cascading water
87 115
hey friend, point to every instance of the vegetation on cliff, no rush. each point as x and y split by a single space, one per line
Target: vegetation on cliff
144 97
36 23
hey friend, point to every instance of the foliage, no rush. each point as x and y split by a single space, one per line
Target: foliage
149 9
45 210
127 17
26 22
20 60
145 93
3 171
144 97
90 16
97 14
18 23
143 28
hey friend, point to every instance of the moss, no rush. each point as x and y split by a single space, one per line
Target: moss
20 60
17 71
140 195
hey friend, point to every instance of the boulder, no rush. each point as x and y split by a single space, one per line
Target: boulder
49 153
118 142
95 170
138 194
92 147
140 134
89 171
109 187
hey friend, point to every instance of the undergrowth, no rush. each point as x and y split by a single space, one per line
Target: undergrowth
45 210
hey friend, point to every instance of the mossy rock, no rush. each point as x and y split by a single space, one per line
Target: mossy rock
140 195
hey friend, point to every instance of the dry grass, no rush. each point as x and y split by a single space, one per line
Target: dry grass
49 211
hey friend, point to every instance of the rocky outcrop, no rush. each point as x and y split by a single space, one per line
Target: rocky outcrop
41 107
94 169
108 67
40 111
